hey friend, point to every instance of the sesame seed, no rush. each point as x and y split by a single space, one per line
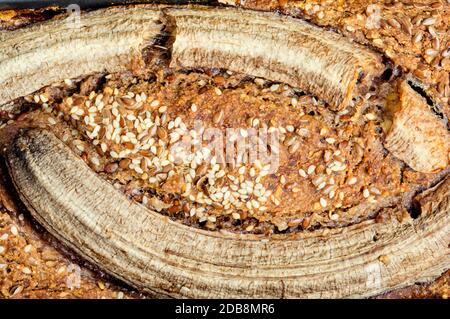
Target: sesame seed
290 128
114 154
259 81
174 137
294 147
302 173
80 147
255 204
193 108
162 109
14 230
250 228
220 174
294 101
2 249
275 200
43 98
26 270
321 185
366 193
375 190
311 169
274 87
352 181
323 202
334 216
95 161
337 166
317 181
303 132
236 216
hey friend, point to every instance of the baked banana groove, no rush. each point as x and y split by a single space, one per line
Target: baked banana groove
155 254
274 47
30 59
280 49
417 136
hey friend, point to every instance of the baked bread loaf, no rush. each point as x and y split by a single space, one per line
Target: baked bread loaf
356 151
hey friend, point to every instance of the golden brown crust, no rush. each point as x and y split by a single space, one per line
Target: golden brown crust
444 88
15 19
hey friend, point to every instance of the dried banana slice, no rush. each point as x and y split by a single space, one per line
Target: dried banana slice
260 44
153 253
417 136
104 40
277 48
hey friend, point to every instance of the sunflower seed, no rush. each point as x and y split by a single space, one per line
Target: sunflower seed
418 37
429 21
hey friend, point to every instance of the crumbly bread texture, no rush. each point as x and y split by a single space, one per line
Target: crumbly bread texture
329 175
